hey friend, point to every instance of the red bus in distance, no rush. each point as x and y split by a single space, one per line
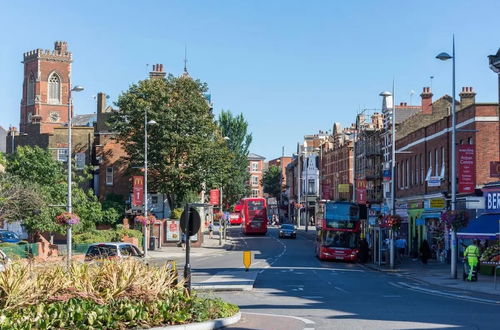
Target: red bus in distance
254 216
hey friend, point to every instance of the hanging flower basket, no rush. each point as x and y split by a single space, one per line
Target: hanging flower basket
392 221
67 218
145 221
457 219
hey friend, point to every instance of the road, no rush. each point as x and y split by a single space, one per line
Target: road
294 290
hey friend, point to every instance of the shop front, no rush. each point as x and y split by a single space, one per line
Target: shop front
431 228
415 210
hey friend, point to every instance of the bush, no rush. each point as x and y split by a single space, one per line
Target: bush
111 295
176 213
110 235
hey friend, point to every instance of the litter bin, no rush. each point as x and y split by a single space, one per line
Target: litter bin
152 243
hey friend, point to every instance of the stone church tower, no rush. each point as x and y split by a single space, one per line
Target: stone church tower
46 85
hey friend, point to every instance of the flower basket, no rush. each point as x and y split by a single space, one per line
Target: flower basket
457 219
392 221
144 221
67 218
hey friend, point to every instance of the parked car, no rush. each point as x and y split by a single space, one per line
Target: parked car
7 236
4 261
287 230
119 250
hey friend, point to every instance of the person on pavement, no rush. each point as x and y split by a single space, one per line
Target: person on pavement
401 248
471 255
425 251
363 251
211 230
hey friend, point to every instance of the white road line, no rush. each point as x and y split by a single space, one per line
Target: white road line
449 295
308 329
303 319
395 285
312 297
391 296
340 289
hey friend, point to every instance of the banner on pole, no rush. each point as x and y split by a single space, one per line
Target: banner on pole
138 191
361 191
214 197
466 168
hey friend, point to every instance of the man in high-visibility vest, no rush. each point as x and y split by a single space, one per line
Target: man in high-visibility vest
472 255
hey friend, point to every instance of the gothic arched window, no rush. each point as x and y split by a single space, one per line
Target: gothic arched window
54 88
30 96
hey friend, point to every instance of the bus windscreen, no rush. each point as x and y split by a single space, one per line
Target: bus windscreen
339 239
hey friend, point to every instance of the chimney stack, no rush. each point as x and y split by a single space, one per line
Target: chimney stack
101 102
467 97
426 101
157 72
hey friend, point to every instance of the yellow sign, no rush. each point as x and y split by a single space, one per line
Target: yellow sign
247 259
437 203
344 187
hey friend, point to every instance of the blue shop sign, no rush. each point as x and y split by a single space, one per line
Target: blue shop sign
492 201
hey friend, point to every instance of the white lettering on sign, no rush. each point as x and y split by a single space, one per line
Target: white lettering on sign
493 201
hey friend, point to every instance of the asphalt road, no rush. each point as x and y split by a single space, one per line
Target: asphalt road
294 290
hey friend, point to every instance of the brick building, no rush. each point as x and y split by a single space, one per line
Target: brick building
256 168
423 170
282 163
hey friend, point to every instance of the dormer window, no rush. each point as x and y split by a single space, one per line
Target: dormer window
54 89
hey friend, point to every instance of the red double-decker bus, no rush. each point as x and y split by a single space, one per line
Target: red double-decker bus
254 216
338 232
235 216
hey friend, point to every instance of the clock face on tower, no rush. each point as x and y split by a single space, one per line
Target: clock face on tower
54 116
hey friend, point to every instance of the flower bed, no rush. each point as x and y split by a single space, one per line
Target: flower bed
111 295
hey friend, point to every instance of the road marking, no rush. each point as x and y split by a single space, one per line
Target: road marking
395 285
319 268
391 296
312 297
340 289
448 295
303 319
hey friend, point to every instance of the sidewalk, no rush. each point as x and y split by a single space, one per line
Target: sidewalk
436 273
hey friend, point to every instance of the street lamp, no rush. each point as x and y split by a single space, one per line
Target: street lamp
444 57
226 138
69 159
145 225
495 66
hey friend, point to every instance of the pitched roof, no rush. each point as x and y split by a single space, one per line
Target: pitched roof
85 120
405 112
255 156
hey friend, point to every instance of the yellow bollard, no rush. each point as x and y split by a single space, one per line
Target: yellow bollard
247 259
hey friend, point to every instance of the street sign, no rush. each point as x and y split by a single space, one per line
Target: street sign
247 259
194 222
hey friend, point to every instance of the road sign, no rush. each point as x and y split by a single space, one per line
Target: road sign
194 222
247 259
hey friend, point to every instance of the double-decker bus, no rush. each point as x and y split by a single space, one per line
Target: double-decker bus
235 216
338 232
254 216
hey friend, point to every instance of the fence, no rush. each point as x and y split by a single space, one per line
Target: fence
20 250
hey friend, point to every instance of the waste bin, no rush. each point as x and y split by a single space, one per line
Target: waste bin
152 243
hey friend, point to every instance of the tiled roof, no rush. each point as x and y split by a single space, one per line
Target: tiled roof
405 112
85 120
255 156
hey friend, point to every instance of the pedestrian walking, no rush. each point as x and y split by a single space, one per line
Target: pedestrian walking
364 250
425 251
183 242
211 230
401 248
471 255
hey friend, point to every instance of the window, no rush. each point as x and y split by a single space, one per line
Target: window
470 140
311 187
62 155
436 160
416 169
255 166
255 192
430 163
443 162
255 180
54 89
30 95
407 173
109 176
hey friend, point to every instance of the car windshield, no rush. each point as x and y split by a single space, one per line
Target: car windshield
290 227
102 251
339 239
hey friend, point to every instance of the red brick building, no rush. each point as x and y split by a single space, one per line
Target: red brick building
282 163
256 169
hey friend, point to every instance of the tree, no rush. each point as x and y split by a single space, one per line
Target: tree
239 140
272 181
17 198
186 148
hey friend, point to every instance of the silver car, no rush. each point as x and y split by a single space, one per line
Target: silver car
112 250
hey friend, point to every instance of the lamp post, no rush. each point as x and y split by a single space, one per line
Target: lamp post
145 225
69 159
227 139
495 66
444 57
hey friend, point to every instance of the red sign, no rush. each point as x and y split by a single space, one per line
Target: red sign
326 191
495 169
138 191
214 197
361 191
466 168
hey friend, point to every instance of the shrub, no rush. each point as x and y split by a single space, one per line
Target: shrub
110 235
176 213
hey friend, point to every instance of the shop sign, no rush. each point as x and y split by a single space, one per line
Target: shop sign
434 181
172 230
466 168
214 197
137 190
437 203
492 201
387 175
495 169
344 187
361 191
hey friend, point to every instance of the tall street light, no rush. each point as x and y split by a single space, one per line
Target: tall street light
145 226
70 158
444 57
495 66
226 138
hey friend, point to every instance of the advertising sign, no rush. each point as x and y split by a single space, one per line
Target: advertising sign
466 168
434 181
173 231
138 191
326 191
214 197
80 160
361 191
387 175
344 187
437 203
492 201
495 169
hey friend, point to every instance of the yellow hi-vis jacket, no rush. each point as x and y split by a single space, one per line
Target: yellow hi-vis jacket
472 254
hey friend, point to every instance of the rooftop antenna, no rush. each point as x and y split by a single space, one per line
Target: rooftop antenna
432 77
412 92
185 59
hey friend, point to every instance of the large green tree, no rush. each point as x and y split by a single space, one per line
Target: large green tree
186 148
271 181
235 128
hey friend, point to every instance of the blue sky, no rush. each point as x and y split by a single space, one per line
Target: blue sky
291 67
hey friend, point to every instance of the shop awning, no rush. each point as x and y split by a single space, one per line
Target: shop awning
486 226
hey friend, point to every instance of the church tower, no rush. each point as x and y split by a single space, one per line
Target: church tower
46 84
